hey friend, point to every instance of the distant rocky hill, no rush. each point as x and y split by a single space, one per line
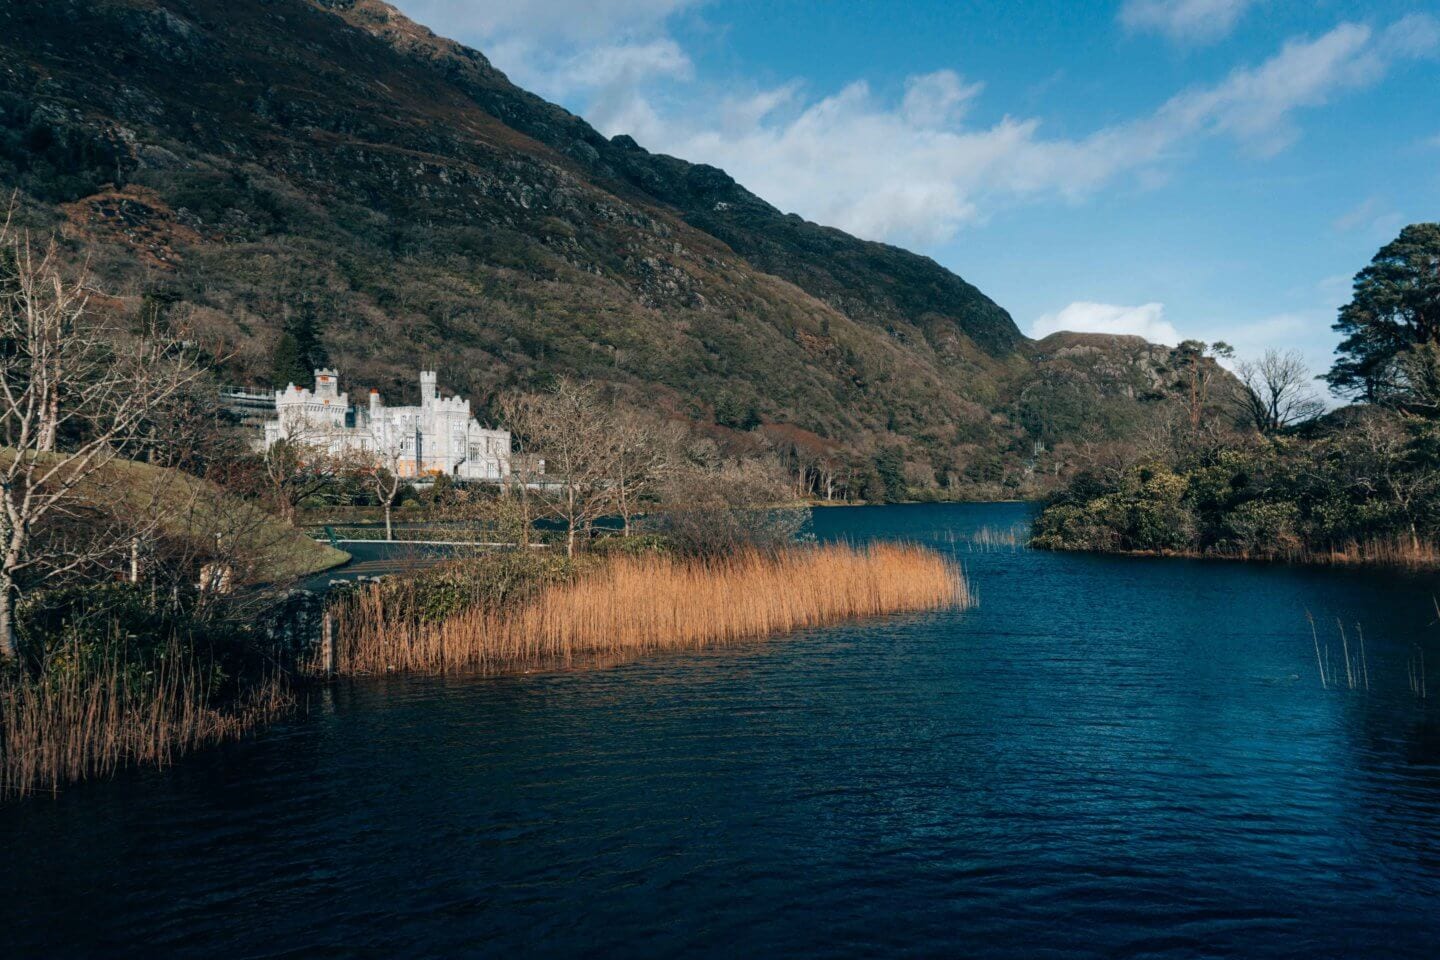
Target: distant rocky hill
308 181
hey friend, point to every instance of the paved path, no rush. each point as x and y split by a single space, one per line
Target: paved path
378 559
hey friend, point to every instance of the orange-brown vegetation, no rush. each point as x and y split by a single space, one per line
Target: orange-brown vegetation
79 722
635 604
137 219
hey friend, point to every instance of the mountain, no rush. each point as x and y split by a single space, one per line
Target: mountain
324 181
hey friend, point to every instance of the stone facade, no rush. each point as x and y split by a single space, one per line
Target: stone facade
437 437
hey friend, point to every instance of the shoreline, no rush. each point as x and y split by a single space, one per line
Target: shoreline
1333 560
632 605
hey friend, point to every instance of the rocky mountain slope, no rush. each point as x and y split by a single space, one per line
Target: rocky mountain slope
306 181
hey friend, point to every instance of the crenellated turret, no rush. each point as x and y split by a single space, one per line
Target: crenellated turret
327 383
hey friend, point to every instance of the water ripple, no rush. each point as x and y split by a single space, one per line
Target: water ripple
1109 758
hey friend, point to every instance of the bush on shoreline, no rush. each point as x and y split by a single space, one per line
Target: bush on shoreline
1358 489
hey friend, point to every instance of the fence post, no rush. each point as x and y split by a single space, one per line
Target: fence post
327 644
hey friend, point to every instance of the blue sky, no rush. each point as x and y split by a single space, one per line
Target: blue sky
1215 169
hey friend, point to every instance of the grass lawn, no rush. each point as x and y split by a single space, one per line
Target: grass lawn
188 508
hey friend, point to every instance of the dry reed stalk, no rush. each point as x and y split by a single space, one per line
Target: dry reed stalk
1364 660
1400 552
71 725
1017 537
636 604
1315 637
1396 551
1345 646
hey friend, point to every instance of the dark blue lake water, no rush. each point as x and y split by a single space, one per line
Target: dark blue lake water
1109 757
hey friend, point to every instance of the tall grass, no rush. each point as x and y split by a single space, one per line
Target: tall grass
1013 538
72 722
1397 551
633 604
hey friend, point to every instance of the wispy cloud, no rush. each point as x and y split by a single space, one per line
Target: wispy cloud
914 171
1185 21
913 168
1372 217
610 52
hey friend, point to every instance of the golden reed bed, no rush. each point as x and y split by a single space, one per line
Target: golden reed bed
632 605
72 725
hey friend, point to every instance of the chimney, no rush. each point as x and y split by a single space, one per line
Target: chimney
375 403
427 386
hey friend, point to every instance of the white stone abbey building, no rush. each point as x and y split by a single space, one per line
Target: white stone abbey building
437 437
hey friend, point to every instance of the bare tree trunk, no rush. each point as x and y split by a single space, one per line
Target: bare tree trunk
389 532
570 520
46 441
525 519
9 646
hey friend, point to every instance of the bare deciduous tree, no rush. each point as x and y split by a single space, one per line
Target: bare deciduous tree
73 394
644 453
716 506
572 428
1379 451
1278 391
1419 369
380 468
830 473
300 465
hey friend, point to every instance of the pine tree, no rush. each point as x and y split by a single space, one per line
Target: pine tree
287 366
1395 307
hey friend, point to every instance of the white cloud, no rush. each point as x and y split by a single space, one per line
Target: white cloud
1185 21
615 77
1146 320
1415 36
913 169
606 52
1256 106
915 172
936 100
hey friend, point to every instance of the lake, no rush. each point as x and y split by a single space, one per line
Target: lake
1108 757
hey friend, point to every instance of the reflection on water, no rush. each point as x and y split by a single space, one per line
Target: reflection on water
1110 757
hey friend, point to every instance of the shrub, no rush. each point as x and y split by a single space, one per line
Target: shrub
1263 527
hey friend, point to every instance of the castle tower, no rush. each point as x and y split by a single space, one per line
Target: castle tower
427 387
327 384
